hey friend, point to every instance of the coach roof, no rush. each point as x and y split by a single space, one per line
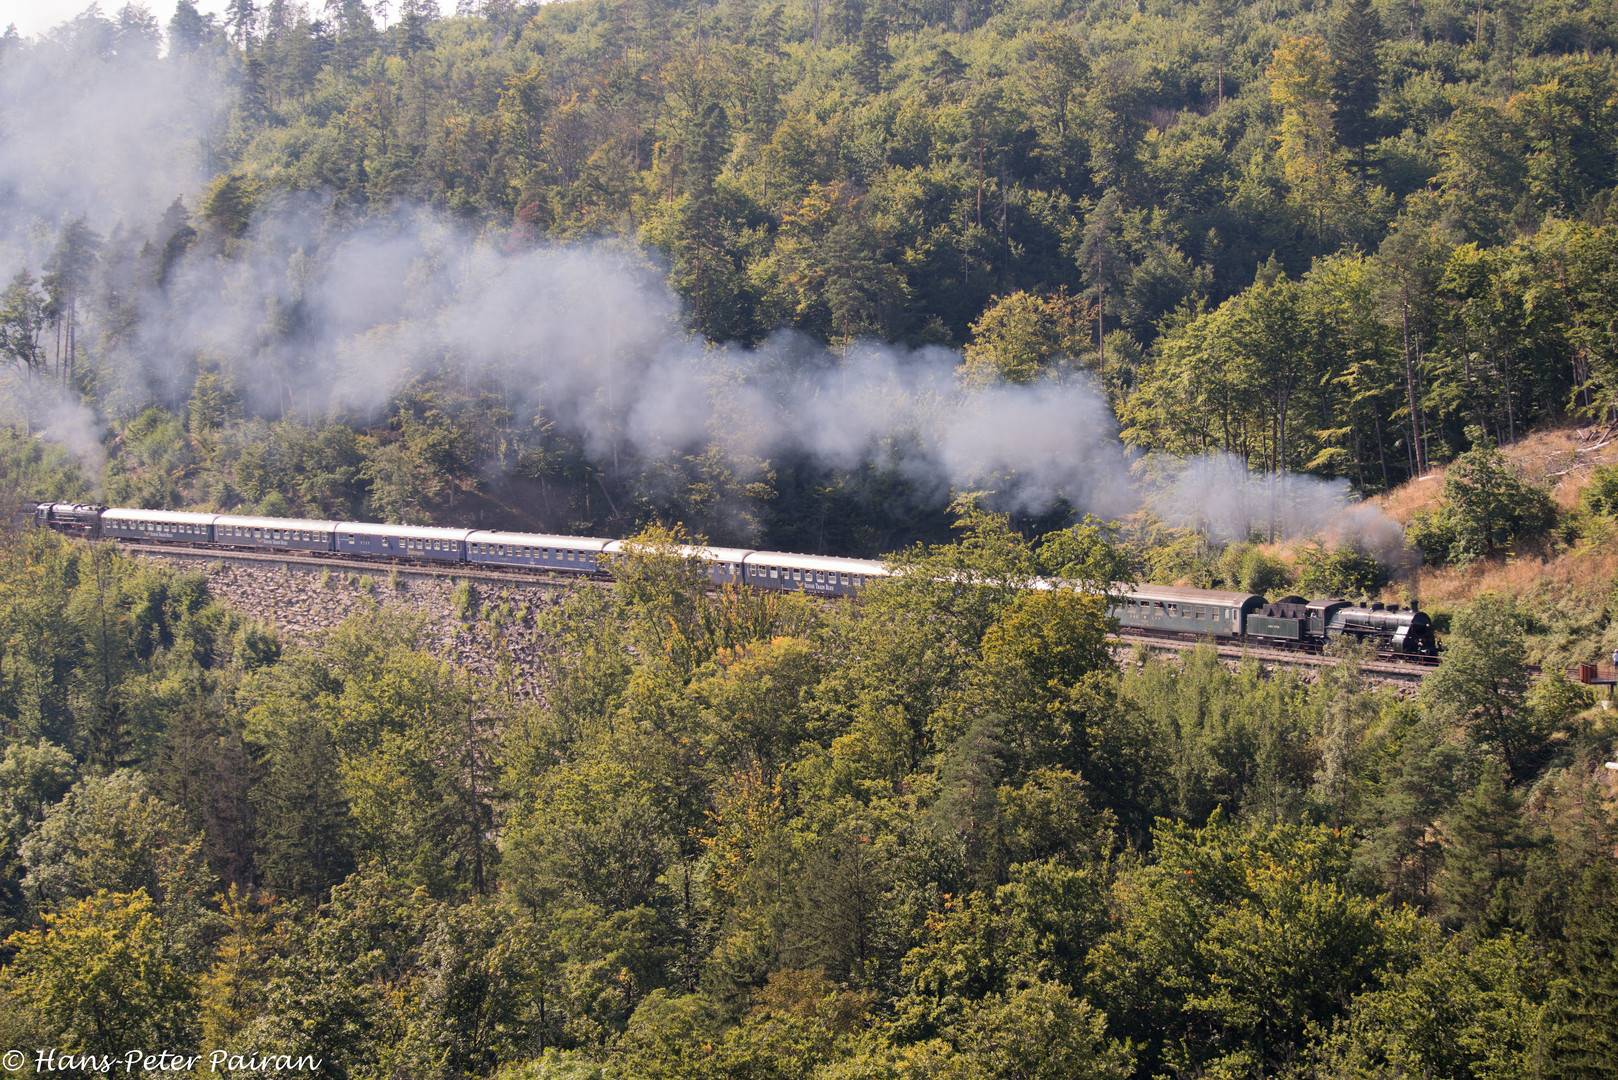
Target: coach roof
414 532
299 524
511 539
163 517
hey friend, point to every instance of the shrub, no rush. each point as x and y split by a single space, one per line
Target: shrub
1349 571
464 601
1265 574
1246 567
1487 505
1601 496
1433 534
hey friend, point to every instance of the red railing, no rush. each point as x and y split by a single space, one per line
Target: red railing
1594 674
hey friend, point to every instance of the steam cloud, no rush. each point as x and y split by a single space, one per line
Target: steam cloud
318 311
593 337
1218 494
93 123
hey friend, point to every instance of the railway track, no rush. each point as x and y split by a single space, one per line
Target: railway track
316 560
1392 670
1406 671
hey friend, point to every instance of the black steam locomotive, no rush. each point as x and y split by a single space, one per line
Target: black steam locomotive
1291 621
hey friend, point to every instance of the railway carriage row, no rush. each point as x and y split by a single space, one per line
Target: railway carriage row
1291 621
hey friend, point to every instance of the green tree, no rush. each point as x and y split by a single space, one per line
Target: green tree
1487 841
1022 337
1488 504
229 203
99 975
872 58
1356 76
1234 942
107 834
1582 1026
66 280
1469 1008
23 321
304 825
1482 686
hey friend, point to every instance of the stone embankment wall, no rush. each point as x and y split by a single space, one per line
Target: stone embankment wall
473 623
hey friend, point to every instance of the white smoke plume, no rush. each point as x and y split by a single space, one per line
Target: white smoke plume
93 122
1218 494
309 322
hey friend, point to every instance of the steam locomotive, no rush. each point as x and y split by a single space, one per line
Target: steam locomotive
1290 621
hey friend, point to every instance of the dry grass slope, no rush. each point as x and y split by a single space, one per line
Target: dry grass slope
1565 586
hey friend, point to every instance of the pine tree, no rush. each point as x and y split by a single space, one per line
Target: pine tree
67 279
1581 1033
1486 841
873 59
1104 265
702 267
303 813
1356 76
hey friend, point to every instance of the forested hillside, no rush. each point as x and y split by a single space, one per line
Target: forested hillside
933 835
1323 238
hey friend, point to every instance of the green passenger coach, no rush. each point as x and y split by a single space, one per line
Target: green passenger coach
1186 611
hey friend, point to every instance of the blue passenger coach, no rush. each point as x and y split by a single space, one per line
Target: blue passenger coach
566 554
277 534
810 573
160 525
724 565
401 541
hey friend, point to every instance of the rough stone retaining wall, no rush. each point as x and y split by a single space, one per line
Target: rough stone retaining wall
303 601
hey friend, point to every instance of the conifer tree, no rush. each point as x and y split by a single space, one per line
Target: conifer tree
1487 838
873 59
1582 1024
1356 76
304 816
